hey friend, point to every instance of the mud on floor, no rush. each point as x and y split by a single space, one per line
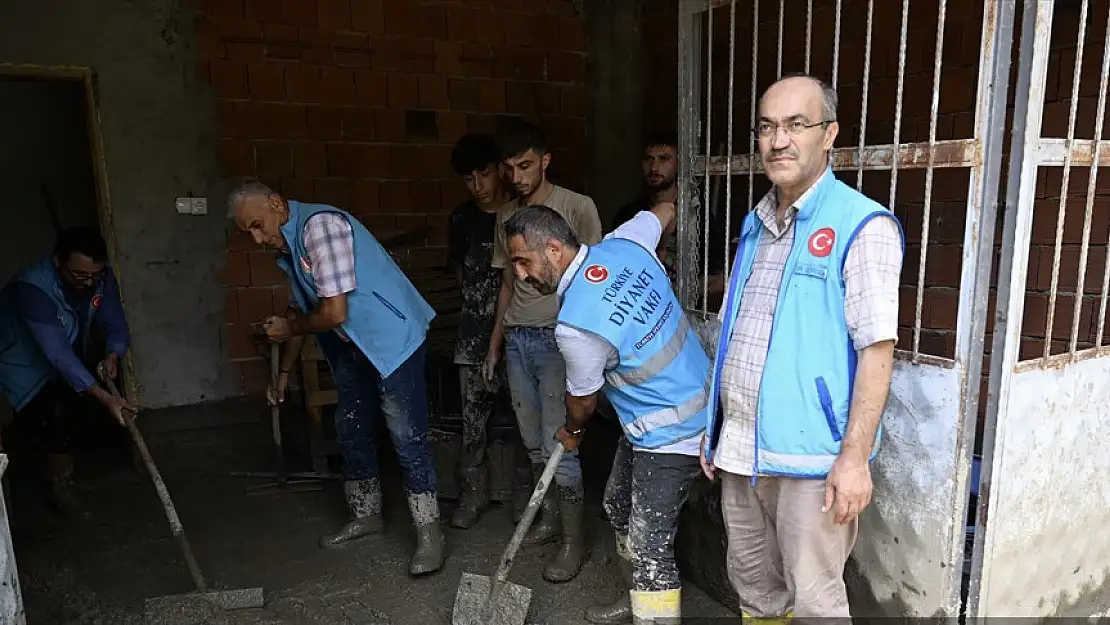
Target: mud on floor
100 571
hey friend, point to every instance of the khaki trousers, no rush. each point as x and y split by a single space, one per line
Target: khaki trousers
783 553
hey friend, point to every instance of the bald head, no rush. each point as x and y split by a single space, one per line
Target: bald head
259 210
796 127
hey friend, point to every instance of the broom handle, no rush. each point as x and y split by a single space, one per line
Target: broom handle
164 495
526 520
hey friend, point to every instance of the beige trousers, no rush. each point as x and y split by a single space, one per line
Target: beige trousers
783 553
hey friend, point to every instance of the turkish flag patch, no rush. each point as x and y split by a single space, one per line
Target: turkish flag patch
821 243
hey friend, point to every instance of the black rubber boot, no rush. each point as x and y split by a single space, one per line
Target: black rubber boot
474 500
619 611
429 553
568 561
364 499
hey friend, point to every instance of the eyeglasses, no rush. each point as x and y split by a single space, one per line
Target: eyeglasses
795 128
82 277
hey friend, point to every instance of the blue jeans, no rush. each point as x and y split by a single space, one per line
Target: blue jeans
538 384
364 396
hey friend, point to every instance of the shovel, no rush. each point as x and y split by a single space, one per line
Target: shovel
484 601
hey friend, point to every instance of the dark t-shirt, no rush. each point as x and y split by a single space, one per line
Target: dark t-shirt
470 248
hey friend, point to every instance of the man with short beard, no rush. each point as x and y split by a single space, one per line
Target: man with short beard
622 330
525 326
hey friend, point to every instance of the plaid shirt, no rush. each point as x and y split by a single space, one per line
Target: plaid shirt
330 245
871 273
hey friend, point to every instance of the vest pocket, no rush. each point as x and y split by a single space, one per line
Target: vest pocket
391 307
827 408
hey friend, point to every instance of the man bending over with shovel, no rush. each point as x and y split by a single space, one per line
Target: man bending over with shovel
371 323
621 328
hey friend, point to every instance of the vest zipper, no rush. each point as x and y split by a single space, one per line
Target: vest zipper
386 303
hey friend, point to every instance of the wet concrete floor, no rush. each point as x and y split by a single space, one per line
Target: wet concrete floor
100 571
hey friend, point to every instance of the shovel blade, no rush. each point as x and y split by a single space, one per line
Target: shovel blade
472 605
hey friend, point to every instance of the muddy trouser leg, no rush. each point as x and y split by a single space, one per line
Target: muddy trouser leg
405 407
358 386
754 560
660 485
618 507
478 402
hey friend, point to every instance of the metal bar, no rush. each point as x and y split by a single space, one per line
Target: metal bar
809 32
1064 193
898 101
751 135
975 273
782 21
863 106
1054 152
703 214
1036 19
926 213
953 153
836 46
1089 212
689 124
731 115
1091 187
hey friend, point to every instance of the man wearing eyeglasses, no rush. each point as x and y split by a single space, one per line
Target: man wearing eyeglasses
800 406
48 311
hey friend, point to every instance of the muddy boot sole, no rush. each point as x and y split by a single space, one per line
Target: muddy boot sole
429 555
617 613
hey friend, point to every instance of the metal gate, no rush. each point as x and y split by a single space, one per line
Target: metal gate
1043 545
911 551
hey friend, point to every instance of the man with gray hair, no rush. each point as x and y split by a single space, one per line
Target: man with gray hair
371 324
622 330
803 366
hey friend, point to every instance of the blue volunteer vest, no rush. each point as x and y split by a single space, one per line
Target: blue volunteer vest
387 318
659 386
24 369
806 388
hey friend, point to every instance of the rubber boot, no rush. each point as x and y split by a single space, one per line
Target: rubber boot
619 611
568 561
474 500
59 476
656 608
545 526
429 536
766 620
364 499
522 492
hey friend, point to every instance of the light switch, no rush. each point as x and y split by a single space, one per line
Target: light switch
184 205
200 206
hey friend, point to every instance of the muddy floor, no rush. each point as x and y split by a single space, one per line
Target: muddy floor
100 571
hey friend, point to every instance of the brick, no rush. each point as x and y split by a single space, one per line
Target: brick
941 308
335 14
235 29
230 9
207 41
229 78
453 194
519 98
437 161
310 159
377 223
447 58
318 55
343 160
238 339
236 157
452 125
358 124
352 59
525 30
280 33
415 20
520 65
299 189
366 197
481 123
236 270
406 161
336 192
433 92
246 51
403 91
370 87
463 94
255 303
337 85
460 23
270 121
254 376
266 82
283 52
374 161
395 197
281 299
367 16
425 196
489 27
389 125
491 96
406 223
957 90
264 269
572 34
351 42
549 98
324 122
567 67
231 306
302 13
477 61
263 10
302 83
414 56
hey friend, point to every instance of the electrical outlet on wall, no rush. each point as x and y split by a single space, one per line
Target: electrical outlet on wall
200 206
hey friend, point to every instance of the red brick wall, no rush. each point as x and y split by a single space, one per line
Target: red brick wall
357 103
